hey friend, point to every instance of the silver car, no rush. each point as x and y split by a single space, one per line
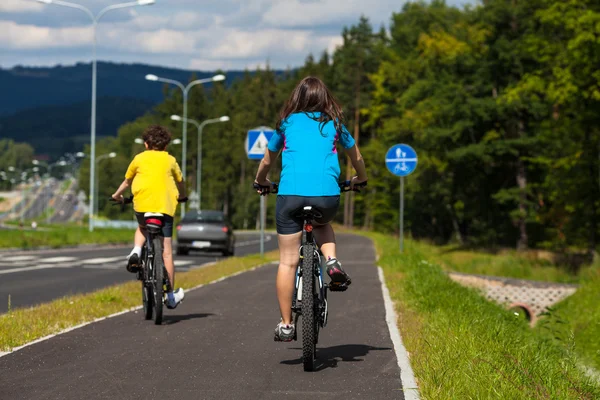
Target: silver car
205 231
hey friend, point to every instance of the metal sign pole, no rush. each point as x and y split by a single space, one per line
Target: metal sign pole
262 225
401 214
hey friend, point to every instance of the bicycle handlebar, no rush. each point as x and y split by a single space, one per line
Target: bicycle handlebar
345 186
129 200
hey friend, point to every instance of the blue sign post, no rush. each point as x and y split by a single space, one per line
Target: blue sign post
257 140
401 160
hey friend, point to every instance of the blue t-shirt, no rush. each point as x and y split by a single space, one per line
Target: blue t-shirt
310 165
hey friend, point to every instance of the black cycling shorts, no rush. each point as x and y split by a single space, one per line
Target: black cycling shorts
167 229
287 207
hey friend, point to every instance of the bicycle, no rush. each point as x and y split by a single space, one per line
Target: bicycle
153 274
310 293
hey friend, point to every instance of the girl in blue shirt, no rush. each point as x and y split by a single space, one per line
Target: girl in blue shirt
307 132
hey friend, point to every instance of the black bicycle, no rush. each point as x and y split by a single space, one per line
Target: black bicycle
153 273
310 293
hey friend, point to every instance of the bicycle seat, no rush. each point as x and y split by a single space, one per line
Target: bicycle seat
154 221
308 213
149 214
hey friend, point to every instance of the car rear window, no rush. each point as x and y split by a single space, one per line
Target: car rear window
204 216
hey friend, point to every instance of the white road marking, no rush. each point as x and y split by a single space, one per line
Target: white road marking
409 384
103 260
22 269
19 258
181 263
251 242
57 259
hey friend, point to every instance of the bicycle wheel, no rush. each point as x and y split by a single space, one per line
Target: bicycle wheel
308 307
147 300
147 292
157 270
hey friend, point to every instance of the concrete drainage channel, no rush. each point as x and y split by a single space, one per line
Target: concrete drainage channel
524 297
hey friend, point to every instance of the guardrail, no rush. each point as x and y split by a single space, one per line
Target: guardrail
100 223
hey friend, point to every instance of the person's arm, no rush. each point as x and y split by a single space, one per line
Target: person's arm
118 195
181 190
352 151
129 175
178 177
265 167
275 145
358 163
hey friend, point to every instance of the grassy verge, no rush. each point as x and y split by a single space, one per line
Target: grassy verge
575 322
507 264
464 347
24 325
63 235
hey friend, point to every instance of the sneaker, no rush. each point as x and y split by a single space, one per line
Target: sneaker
284 332
172 299
133 263
336 273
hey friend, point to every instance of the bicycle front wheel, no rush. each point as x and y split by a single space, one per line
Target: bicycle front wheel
308 307
157 271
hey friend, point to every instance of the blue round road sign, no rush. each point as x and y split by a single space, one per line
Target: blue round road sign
401 159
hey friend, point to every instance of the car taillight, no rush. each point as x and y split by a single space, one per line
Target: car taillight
178 227
225 229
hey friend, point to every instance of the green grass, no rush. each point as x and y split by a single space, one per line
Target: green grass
576 321
464 347
20 326
507 264
62 235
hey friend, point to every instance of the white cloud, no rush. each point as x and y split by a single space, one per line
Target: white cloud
14 36
20 6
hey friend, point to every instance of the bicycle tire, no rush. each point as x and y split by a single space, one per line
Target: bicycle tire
147 300
308 307
147 292
158 287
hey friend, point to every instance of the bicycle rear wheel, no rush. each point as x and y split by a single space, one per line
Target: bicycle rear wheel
147 292
308 307
158 288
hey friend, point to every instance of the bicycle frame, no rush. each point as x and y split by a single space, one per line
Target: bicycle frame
321 304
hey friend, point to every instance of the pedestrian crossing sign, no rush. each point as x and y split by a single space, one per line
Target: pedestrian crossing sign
257 140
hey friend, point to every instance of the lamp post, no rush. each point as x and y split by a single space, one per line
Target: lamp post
98 159
95 19
200 126
185 90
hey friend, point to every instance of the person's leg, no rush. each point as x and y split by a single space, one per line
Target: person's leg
288 261
325 238
133 259
168 259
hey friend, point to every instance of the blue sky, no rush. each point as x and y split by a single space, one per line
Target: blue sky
194 34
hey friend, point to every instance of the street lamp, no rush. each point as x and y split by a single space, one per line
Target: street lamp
141 141
95 20
185 90
98 159
224 118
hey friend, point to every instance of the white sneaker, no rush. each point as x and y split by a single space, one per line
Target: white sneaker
172 299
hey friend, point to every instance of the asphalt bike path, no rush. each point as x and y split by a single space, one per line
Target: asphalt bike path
34 277
218 344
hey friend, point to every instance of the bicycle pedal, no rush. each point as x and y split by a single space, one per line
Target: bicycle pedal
338 287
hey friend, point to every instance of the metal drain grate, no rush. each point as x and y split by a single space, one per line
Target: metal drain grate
532 296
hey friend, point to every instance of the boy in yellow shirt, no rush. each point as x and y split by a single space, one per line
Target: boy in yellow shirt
157 185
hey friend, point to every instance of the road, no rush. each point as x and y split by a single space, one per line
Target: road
33 277
219 345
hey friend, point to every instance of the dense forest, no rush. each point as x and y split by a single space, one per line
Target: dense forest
500 101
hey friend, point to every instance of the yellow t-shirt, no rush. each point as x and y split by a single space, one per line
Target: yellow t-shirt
154 174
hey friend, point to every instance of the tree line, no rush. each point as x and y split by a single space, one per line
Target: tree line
500 101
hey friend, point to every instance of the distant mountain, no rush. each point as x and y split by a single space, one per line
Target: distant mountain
49 107
54 130
31 87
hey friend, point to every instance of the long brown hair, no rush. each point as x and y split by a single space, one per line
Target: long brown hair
311 95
